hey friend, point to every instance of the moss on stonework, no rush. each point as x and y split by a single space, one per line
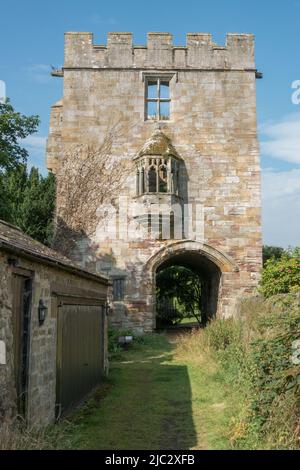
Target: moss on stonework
158 144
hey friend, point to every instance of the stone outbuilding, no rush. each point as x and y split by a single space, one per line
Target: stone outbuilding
53 329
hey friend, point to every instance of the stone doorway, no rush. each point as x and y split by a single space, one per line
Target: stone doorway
218 273
187 285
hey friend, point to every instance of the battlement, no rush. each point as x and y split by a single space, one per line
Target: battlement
200 52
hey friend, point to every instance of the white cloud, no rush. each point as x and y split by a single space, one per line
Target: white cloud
2 91
281 139
40 73
35 142
281 207
36 147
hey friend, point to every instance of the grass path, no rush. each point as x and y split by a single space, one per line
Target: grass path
156 398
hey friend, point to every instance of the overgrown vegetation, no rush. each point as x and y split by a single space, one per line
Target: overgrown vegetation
281 275
17 436
272 252
255 352
13 127
233 385
88 180
28 201
178 291
275 253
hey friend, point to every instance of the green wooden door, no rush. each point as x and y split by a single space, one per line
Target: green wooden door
80 357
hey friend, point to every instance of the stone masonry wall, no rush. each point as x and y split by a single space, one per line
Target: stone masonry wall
212 127
42 350
7 389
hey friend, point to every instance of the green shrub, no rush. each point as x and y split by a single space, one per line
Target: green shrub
267 374
277 377
281 276
221 333
255 351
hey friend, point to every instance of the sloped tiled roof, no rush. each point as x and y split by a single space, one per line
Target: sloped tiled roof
13 240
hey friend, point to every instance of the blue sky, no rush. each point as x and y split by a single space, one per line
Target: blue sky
31 38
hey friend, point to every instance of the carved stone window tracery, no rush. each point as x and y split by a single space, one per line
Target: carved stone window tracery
157 175
157 167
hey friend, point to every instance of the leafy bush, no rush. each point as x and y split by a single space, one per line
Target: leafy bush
281 276
178 292
255 352
277 378
272 252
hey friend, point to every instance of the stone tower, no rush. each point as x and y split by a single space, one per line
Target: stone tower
182 130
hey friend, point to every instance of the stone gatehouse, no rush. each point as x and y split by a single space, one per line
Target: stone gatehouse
156 155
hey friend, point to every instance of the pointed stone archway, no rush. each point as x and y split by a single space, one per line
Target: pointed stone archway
217 270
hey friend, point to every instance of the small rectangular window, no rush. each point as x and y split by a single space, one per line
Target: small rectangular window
157 101
118 289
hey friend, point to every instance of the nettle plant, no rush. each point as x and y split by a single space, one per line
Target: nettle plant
281 276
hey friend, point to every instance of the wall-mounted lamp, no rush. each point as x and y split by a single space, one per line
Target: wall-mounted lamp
42 311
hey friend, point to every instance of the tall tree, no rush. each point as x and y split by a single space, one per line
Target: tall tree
28 201
272 252
13 127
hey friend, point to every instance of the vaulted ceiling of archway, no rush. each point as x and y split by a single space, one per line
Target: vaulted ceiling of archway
192 260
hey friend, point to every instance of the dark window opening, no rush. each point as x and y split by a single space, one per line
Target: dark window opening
118 289
138 183
172 226
152 180
142 181
163 179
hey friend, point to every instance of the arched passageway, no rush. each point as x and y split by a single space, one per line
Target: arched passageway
207 276
219 274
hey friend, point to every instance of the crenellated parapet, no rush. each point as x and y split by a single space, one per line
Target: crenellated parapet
200 52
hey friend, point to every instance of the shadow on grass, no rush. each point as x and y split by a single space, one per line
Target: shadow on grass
147 404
